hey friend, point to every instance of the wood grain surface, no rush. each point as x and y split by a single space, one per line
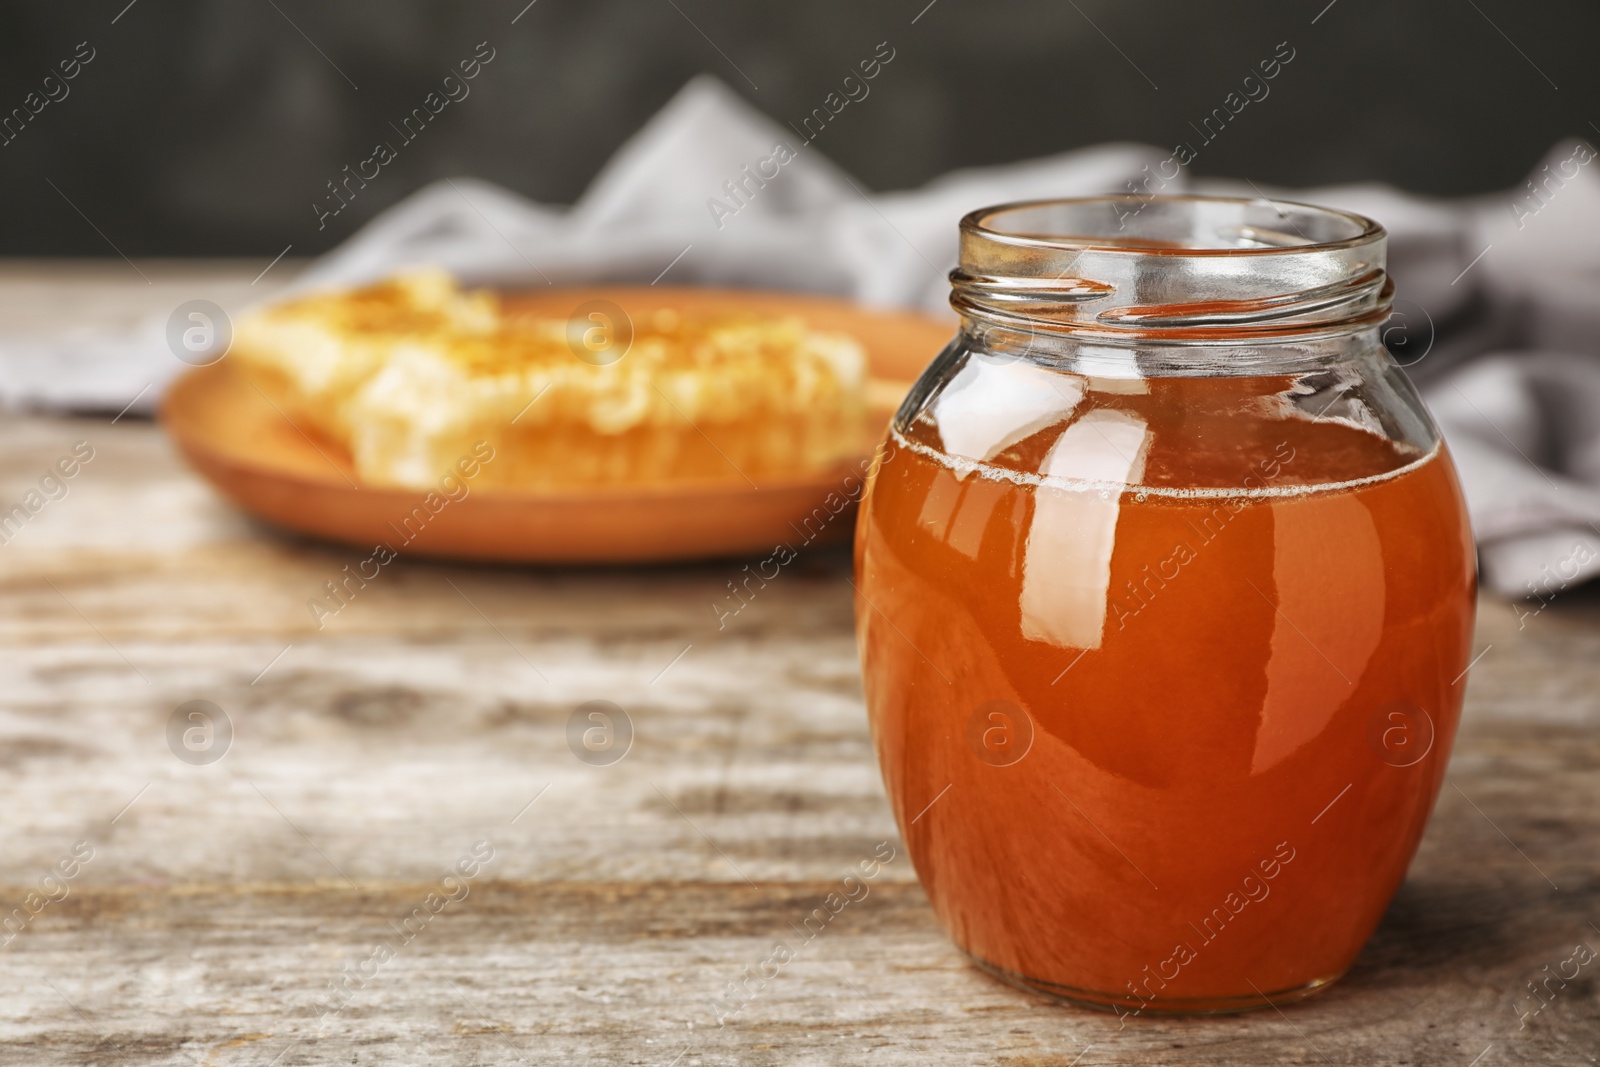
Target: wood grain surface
223 901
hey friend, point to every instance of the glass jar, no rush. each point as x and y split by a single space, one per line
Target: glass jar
1165 597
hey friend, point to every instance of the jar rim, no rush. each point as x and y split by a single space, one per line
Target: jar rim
1368 230
1174 270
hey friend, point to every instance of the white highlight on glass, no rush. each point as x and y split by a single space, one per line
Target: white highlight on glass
1066 567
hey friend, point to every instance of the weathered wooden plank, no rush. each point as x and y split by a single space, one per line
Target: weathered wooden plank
618 972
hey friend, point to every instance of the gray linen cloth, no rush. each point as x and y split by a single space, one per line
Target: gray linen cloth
1498 314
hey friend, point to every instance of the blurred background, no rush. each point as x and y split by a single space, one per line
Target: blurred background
165 152
208 128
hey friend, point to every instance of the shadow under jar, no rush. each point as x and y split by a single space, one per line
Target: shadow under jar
1165 594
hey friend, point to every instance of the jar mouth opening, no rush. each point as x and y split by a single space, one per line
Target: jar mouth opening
1176 225
1181 270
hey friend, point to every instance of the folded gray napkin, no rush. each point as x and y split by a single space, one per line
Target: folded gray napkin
712 192
1525 432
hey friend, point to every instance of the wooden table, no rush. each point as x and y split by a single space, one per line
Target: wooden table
223 899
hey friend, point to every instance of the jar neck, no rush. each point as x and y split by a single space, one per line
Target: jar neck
1081 353
1179 280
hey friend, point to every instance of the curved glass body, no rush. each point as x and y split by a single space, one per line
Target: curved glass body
1163 630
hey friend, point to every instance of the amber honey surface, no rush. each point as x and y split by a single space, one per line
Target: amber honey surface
1143 682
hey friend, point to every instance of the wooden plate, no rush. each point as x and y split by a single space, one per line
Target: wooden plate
250 450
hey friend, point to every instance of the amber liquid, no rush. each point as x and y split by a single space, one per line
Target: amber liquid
1142 741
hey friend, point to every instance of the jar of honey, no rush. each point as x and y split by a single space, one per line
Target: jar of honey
1165 601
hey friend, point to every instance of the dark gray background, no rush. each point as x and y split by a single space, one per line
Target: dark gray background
210 127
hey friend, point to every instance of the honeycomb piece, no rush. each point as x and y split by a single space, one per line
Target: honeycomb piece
410 373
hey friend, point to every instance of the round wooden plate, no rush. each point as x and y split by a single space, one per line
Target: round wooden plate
258 458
